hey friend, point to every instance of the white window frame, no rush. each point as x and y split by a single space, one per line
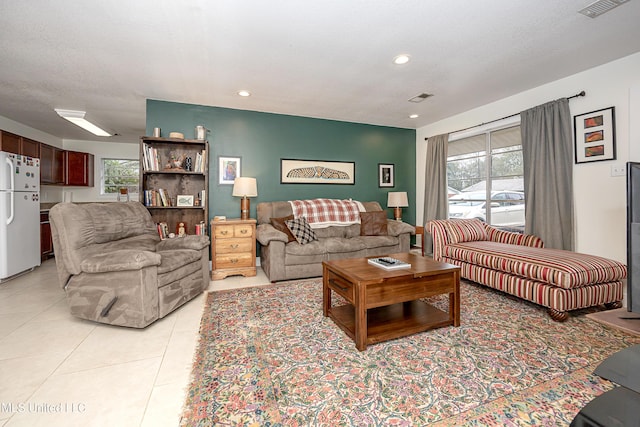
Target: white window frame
487 129
133 195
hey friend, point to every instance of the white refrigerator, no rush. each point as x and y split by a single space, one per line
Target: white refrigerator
19 214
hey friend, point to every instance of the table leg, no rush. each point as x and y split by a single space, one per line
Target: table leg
326 292
360 309
454 300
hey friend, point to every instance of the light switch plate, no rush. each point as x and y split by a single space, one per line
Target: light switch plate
618 170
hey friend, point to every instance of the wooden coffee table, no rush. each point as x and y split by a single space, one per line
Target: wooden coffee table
384 304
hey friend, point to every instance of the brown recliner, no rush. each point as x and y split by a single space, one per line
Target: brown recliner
115 269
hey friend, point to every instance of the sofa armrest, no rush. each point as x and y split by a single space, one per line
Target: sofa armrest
266 233
439 237
120 260
396 228
187 242
511 238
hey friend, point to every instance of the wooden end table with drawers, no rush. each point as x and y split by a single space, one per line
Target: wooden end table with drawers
233 248
383 305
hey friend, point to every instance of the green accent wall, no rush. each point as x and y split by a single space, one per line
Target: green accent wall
262 139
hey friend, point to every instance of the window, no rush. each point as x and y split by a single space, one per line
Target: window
118 173
487 170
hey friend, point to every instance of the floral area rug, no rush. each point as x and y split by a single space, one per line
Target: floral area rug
268 357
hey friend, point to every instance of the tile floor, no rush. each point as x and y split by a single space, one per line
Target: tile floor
57 370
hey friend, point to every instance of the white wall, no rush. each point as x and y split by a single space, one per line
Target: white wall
100 150
26 131
599 198
634 126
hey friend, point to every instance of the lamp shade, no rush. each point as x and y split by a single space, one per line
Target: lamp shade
245 187
397 200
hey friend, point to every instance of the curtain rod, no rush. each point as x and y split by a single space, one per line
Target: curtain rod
583 93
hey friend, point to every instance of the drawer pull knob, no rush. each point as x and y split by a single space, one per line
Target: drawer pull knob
224 232
234 246
234 260
243 231
334 283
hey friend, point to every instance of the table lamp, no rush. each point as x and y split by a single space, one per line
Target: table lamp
397 200
245 187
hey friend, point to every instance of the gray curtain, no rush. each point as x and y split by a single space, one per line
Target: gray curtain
547 151
435 184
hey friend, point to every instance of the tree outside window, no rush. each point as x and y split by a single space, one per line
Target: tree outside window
120 173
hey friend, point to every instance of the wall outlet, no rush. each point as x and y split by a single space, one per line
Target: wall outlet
618 170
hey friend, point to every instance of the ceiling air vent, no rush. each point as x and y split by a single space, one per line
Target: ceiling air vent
420 98
601 6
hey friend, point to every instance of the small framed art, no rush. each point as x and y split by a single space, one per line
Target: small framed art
184 200
228 170
595 136
386 175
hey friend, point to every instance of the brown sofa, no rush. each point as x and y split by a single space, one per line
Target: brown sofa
115 269
284 260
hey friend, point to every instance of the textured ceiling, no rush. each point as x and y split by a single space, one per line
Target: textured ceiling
327 59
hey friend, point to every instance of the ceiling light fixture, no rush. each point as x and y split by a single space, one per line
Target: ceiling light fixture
77 118
401 59
244 93
414 116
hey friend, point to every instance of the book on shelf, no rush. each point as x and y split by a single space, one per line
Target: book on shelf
150 158
199 164
389 263
201 228
157 198
163 230
163 197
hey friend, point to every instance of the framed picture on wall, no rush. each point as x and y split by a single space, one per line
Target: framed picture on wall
293 171
595 136
386 175
228 169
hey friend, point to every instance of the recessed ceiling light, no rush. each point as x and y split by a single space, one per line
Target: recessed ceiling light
244 93
401 59
414 116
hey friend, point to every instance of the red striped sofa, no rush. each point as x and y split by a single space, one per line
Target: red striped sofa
518 264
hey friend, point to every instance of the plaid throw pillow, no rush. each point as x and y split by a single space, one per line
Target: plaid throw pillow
279 224
301 230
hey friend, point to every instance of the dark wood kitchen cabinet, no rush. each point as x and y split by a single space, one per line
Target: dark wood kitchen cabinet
17 144
57 166
78 168
9 142
30 148
51 165
46 242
